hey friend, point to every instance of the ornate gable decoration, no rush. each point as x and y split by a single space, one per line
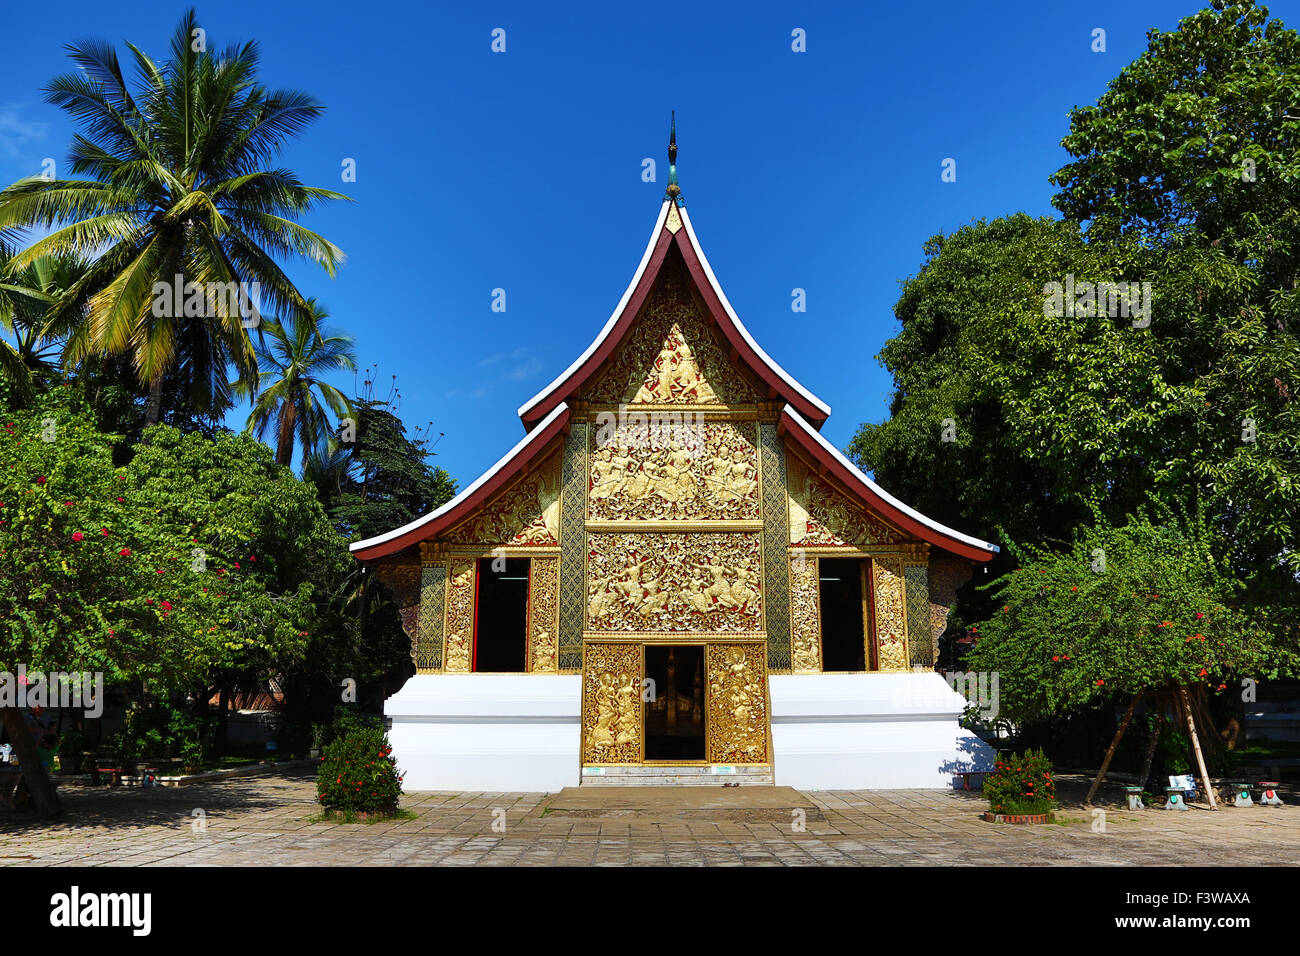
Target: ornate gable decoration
820 514
526 513
695 471
671 358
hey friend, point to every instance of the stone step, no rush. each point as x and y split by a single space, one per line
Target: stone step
688 776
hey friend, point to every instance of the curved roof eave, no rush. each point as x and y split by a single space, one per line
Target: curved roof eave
661 240
564 376
890 507
453 511
740 326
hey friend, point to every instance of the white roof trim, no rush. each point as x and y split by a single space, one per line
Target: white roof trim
731 313
483 478
910 512
613 319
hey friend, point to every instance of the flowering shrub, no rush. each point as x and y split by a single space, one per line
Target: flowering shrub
1021 783
358 773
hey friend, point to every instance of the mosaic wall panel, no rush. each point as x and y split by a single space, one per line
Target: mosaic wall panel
527 513
459 625
428 656
805 613
891 634
670 357
921 647
737 722
573 548
544 615
646 468
611 704
670 581
776 532
821 515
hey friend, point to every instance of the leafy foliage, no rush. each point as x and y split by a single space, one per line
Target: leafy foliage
382 480
179 183
359 773
1073 632
1021 783
199 554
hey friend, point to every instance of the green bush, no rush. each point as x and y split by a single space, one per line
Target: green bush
346 719
359 774
1021 783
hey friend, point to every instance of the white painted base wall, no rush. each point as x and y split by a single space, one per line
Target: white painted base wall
870 732
494 732
522 732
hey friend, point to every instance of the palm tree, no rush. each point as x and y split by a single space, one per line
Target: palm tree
299 352
26 297
179 183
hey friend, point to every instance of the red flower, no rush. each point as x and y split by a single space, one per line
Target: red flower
1056 657
125 552
1203 672
67 504
1199 615
121 499
1075 588
105 530
77 536
40 480
1100 683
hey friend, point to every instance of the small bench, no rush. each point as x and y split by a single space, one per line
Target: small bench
115 775
967 774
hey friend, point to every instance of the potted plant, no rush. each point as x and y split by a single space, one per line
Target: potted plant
1021 789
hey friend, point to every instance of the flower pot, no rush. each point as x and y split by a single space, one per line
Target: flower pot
992 817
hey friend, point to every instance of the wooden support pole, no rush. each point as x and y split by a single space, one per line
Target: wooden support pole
1196 746
1105 763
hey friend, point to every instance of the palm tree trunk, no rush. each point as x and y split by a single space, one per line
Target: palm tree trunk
34 775
284 442
153 408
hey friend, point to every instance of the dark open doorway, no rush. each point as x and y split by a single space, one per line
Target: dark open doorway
674 719
501 623
843 643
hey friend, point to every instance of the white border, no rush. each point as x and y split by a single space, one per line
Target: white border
613 319
890 499
740 326
717 290
439 512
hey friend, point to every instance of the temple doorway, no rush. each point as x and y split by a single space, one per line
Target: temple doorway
674 716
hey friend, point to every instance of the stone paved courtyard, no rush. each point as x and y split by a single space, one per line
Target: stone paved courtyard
267 820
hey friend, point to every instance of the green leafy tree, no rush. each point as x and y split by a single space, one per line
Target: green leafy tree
1143 606
387 481
199 557
178 182
298 354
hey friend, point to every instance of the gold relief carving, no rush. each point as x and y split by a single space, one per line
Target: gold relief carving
431 552
737 726
822 515
674 220
611 703
697 471
670 357
891 627
460 618
528 513
544 615
677 582
805 592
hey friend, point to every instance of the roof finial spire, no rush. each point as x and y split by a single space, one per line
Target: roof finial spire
674 192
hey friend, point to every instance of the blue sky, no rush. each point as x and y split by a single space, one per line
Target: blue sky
522 170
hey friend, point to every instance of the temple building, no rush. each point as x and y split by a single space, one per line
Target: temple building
674 577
